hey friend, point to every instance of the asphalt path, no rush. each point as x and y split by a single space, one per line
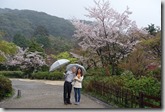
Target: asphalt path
45 94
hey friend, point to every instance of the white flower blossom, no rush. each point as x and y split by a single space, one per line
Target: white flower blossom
26 59
109 27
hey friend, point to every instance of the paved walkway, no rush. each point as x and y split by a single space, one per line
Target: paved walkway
45 94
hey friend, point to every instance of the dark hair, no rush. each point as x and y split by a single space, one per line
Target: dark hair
81 71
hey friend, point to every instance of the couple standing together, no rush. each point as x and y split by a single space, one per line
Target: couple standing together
73 78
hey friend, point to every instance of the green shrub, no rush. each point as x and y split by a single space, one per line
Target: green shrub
48 75
39 75
2 67
12 74
5 87
95 72
102 71
147 84
87 83
44 68
155 73
56 75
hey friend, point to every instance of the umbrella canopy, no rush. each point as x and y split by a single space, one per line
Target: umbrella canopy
77 65
58 64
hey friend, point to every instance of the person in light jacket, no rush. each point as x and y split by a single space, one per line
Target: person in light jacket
78 85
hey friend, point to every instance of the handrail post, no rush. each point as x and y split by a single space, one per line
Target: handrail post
141 100
19 94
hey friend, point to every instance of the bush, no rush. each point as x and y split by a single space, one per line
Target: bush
136 62
56 75
102 71
96 71
3 67
5 87
12 74
155 73
44 68
87 83
147 84
48 75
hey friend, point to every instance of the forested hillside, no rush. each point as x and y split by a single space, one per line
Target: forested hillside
26 21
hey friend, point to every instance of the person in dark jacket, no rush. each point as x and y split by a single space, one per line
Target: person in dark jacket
68 85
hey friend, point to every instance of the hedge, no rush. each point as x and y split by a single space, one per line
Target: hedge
147 84
48 75
37 75
5 87
12 74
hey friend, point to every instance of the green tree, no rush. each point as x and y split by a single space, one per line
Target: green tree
6 49
65 55
153 46
136 62
41 35
34 46
2 33
43 40
20 40
60 44
147 51
41 31
152 30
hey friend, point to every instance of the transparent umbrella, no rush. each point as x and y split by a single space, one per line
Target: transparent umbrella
77 65
57 64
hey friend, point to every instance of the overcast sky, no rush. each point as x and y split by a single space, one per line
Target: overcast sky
144 11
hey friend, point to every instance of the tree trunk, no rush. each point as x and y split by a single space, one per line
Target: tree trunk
113 69
100 55
94 63
107 70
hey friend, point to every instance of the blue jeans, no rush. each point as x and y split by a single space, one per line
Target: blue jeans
77 94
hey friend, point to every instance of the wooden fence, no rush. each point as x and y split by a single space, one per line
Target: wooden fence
126 98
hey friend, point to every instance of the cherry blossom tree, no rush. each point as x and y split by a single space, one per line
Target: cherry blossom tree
112 35
28 61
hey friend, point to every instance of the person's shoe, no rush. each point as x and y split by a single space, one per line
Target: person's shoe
78 103
69 103
65 103
75 103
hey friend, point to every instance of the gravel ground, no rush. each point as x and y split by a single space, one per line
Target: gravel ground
45 94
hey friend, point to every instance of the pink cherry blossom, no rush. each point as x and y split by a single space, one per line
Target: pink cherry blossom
108 26
26 59
111 35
